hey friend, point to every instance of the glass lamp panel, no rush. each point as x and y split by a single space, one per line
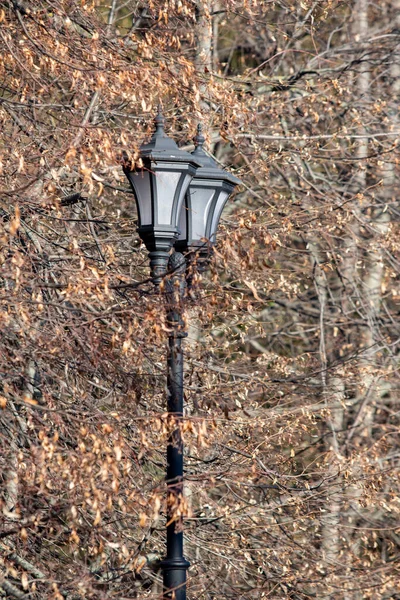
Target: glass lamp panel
141 184
200 201
166 183
186 179
183 219
216 215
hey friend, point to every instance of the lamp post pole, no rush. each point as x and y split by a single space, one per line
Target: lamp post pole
179 198
174 566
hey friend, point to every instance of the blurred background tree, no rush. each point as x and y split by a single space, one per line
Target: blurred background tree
292 419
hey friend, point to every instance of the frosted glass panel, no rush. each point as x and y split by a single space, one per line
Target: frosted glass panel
182 222
200 202
141 185
184 189
167 183
223 197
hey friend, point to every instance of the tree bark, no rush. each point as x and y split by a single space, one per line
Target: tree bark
204 35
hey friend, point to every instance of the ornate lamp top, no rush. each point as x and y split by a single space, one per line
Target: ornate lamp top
162 147
209 167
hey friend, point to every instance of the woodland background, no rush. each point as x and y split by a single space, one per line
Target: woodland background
292 375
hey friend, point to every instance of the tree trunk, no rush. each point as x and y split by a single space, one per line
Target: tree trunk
204 36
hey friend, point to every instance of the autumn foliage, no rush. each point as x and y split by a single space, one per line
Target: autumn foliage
291 424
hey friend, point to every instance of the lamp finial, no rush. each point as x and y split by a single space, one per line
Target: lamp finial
159 122
199 138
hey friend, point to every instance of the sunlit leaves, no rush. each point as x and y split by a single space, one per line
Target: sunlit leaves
83 419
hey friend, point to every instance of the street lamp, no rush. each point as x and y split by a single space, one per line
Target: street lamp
160 186
179 198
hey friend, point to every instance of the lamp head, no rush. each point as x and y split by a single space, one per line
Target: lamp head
159 187
205 199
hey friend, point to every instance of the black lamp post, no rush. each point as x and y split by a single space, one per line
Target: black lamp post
179 198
